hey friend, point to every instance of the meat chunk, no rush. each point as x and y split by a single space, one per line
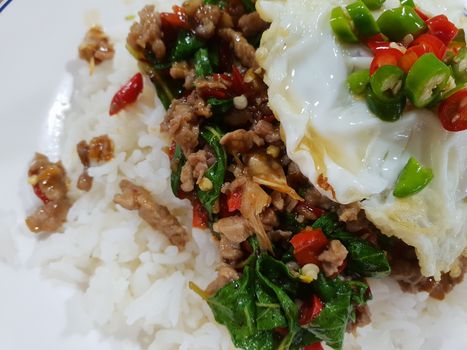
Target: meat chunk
333 257
194 169
314 197
147 33
267 131
181 121
269 219
243 50
349 212
49 182
277 200
225 275
241 141
229 250
99 150
251 24
181 70
207 18
157 216
96 46
235 228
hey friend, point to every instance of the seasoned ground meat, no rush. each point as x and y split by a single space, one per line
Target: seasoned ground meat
269 219
181 70
243 50
49 182
99 150
235 228
333 257
196 165
205 85
241 141
147 33
157 216
406 270
348 212
190 6
251 24
308 211
229 250
96 46
314 197
207 18
181 121
277 200
269 132
225 275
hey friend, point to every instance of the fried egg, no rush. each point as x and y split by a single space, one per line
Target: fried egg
349 154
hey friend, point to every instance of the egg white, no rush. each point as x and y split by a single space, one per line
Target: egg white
349 154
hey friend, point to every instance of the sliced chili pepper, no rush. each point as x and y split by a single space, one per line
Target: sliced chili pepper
200 215
409 3
316 211
171 152
238 85
234 200
441 27
308 244
178 19
431 44
127 94
397 23
377 43
40 194
388 111
314 346
412 179
342 26
310 309
421 14
387 83
363 20
389 57
374 4
426 80
453 111
411 56
358 81
459 66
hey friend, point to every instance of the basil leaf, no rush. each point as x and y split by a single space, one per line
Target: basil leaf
268 309
220 107
290 223
249 5
202 64
176 165
331 323
365 259
216 172
187 44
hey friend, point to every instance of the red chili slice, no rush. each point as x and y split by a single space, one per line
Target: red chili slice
421 14
40 194
412 54
308 244
431 43
441 27
171 152
127 94
314 346
310 310
377 43
453 112
200 215
177 19
388 57
234 200
238 85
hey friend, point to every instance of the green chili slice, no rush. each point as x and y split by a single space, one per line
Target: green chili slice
374 4
387 82
412 179
459 66
363 20
426 80
409 3
342 26
187 44
202 64
397 23
388 111
358 81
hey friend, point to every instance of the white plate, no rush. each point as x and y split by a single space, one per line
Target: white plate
38 41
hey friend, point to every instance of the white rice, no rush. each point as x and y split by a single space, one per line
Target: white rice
129 281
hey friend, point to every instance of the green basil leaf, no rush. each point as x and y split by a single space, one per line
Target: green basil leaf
220 107
216 172
187 44
249 5
268 309
202 64
290 223
176 165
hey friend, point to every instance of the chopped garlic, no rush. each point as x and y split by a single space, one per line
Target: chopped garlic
205 184
310 270
33 180
273 151
240 102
